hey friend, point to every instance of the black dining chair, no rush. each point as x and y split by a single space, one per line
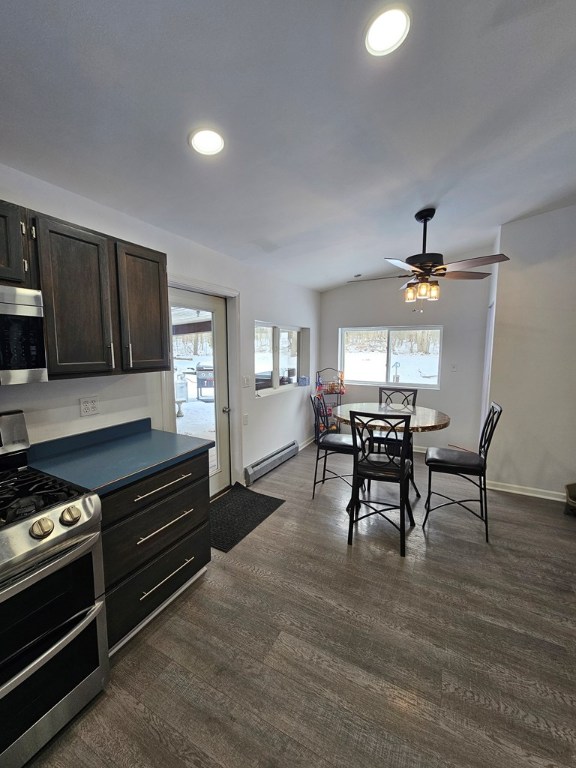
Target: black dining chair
328 441
402 396
468 465
384 462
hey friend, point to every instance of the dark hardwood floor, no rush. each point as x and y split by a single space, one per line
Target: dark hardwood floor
297 650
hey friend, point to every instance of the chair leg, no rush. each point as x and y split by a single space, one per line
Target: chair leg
427 504
324 467
484 504
409 507
354 507
316 469
403 496
412 470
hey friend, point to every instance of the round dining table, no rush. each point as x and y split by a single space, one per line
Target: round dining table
422 419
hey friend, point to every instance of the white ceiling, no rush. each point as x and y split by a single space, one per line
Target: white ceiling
329 151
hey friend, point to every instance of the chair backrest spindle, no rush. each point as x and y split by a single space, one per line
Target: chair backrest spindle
401 395
489 428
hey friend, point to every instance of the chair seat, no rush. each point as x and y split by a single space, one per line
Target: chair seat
332 441
378 467
453 461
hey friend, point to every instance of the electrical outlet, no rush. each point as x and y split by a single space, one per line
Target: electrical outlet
89 406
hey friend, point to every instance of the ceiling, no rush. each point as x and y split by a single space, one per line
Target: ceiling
329 151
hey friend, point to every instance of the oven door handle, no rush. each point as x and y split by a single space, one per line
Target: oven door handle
69 556
55 649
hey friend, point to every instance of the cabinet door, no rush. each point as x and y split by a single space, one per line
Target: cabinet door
12 263
144 325
74 275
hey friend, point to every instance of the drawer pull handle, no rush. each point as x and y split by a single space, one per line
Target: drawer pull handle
184 564
163 528
161 488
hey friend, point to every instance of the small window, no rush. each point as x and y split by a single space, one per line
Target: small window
391 355
276 356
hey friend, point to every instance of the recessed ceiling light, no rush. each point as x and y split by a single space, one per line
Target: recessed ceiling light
388 31
206 142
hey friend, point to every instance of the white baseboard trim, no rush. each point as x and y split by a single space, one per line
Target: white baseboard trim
522 490
538 493
307 442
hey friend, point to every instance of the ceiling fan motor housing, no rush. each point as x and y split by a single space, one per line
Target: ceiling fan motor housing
425 261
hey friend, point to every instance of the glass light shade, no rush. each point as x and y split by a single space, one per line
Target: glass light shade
410 294
434 291
423 291
207 142
387 32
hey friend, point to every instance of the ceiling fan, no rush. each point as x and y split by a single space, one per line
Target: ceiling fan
426 267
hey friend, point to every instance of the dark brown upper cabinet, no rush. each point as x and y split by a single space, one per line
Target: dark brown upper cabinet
143 295
105 301
75 279
14 261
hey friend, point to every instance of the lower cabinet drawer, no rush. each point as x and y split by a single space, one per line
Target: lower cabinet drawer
133 542
133 498
132 601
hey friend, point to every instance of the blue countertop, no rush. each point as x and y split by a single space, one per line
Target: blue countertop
110 458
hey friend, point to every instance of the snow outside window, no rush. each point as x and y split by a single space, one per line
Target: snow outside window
276 356
391 355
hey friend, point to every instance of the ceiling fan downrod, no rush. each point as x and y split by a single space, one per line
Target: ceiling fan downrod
423 217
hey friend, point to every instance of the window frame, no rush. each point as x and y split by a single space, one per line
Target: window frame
388 329
276 386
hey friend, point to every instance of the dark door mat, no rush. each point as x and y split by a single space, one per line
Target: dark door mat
237 512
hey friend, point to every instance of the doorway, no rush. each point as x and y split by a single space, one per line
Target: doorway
199 395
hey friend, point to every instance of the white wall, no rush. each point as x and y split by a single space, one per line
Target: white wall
534 366
52 409
461 310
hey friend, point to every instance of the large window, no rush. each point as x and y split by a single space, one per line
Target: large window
391 355
276 356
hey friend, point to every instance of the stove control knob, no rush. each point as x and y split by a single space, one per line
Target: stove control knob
70 516
41 528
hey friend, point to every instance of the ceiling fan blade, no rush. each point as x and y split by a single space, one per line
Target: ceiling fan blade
465 275
369 279
400 264
480 261
410 282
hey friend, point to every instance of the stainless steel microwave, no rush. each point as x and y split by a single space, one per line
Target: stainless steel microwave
22 350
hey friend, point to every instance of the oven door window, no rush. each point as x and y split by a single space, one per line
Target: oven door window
21 343
27 703
34 619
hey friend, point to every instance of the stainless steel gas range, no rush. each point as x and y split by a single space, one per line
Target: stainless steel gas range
53 647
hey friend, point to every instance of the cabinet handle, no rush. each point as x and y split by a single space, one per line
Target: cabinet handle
163 528
112 359
161 488
130 361
22 227
184 564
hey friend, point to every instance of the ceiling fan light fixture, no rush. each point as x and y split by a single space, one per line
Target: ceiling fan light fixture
423 290
434 291
410 294
387 31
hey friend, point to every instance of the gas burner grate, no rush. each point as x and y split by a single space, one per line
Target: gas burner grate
26 491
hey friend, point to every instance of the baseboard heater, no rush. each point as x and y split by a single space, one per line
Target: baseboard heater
262 466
